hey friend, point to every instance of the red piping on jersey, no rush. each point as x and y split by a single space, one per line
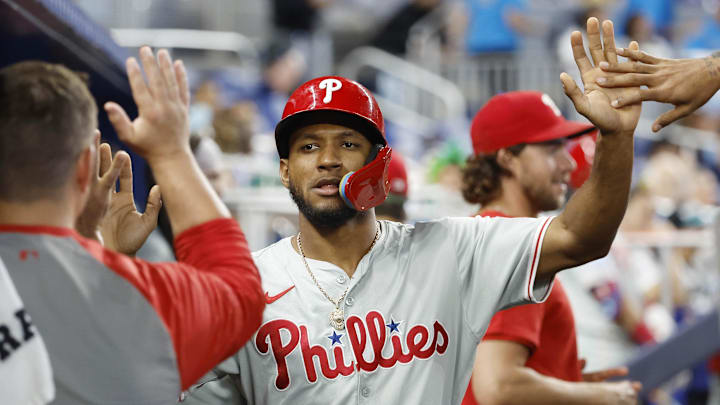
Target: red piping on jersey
38 229
535 256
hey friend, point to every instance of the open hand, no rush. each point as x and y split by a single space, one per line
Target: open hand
162 129
685 83
123 228
96 206
594 101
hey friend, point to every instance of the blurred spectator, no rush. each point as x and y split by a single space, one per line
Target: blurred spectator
283 68
641 29
494 25
297 24
210 159
708 37
446 166
658 13
301 16
234 128
393 36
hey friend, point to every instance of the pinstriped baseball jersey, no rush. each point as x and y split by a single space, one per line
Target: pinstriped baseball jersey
417 306
124 331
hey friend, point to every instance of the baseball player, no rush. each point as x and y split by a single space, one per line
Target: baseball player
118 330
374 312
529 354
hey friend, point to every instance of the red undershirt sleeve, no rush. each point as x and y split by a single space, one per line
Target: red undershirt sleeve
521 324
211 300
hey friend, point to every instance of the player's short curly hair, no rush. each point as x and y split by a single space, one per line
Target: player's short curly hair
47 118
481 176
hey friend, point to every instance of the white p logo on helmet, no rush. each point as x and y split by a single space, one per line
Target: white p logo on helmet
550 103
330 86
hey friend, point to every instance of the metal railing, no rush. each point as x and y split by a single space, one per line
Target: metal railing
415 97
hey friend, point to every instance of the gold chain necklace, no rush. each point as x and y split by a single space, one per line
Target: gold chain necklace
337 316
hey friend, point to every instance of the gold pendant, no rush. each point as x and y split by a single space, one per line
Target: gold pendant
337 319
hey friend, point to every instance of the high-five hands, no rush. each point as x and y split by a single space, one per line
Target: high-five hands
595 101
161 134
123 228
685 83
161 130
110 216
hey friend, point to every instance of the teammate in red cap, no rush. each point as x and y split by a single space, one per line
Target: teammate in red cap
378 312
393 209
521 167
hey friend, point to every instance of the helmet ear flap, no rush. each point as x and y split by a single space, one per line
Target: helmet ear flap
369 186
373 152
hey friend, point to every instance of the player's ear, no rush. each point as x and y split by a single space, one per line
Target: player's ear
505 159
284 173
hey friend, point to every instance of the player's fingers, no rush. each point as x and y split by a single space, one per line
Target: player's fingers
168 72
633 96
158 88
107 181
671 116
610 373
140 92
581 59
120 121
628 67
152 209
609 42
637 55
126 177
625 80
573 92
594 42
637 386
105 154
181 77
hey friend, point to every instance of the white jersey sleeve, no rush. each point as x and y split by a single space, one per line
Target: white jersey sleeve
497 261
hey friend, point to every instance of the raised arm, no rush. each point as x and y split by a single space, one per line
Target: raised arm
685 83
501 378
211 301
160 134
586 228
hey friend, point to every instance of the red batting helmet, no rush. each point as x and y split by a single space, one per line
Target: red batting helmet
330 100
337 100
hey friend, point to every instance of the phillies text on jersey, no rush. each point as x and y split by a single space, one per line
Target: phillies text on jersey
416 308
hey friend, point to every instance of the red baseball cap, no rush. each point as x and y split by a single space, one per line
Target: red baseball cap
397 175
520 117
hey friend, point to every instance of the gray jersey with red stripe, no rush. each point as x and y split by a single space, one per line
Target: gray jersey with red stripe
101 333
416 308
124 331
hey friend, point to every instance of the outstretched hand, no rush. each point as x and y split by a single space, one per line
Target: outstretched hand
594 102
123 228
685 83
162 128
88 222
